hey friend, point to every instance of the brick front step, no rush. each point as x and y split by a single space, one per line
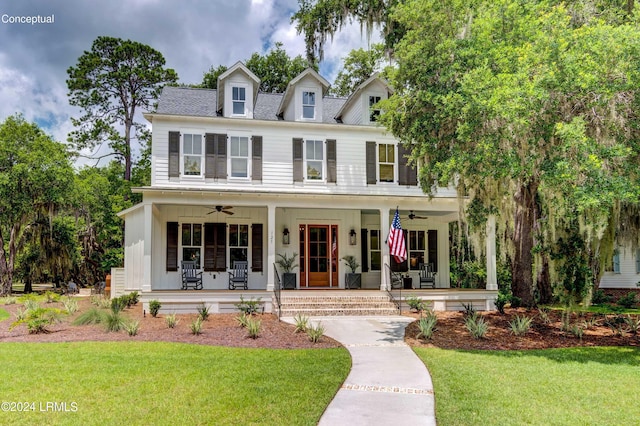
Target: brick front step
352 304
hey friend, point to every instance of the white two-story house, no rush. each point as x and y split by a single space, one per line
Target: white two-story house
240 175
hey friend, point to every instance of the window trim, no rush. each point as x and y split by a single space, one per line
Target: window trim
230 157
395 163
233 100
192 133
182 246
314 105
324 160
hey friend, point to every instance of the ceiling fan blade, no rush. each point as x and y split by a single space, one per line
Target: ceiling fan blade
227 212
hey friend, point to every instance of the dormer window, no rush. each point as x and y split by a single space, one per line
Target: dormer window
309 105
238 99
374 113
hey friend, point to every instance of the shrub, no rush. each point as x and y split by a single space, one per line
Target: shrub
51 296
38 320
302 323
154 307
469 310
31 305
21 314
203 311
242 319
416 304
114 321
315 333
71 305
427 325
476 326
543 312
516 302
520 325
600 297
132 328
196 326
171 320
633 323
118 304
9 300
590 322
92 316
501 302
253 328
250 306
134 298
628 301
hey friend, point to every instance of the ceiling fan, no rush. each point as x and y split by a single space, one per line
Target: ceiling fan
414 216
222 209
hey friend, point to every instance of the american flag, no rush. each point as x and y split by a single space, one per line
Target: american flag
397 247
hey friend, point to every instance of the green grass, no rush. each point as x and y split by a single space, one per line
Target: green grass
3 314
601 309
577 386
169 383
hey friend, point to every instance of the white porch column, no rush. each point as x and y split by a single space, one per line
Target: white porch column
386 259
147 260
271 245
492 276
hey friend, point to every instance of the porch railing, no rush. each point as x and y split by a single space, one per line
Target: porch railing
395 282
276 290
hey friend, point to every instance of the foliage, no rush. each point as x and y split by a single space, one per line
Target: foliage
35 180
476 326
203 311
51 296
91 316
38 319
154 307
416 303
359 65
110 83
286 262
196 326
243 319
101 301
171 320
633 323
427 325
628 300
501 301
351 262
70 305
132 328
4 314
113 320
600 297
253 327
301 323
520 325
315 333
9 300
250 306
118 304
210 78
468 310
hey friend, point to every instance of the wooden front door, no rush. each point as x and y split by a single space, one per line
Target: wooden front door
318 259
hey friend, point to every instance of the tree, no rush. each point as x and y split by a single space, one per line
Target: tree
110 83
359 65
275 70
35 178
530 111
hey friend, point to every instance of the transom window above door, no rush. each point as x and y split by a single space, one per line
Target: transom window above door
192 154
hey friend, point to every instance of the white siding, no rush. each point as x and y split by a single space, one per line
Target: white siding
134 250
628 276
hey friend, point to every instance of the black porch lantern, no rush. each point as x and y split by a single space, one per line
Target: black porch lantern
352 237
285 236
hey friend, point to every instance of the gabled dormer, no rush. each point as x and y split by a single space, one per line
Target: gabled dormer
362 106
302 101
237 92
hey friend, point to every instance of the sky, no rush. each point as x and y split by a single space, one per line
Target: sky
192 35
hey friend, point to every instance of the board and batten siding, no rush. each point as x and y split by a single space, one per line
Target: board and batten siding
628 276
134 250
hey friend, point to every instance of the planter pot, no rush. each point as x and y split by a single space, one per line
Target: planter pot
289 281
352 280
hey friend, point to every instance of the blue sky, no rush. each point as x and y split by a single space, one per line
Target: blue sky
192 35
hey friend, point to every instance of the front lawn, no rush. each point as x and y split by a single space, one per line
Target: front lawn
3 314
577 386
167 383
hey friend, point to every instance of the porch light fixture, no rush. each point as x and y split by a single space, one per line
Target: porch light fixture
285 236
352 237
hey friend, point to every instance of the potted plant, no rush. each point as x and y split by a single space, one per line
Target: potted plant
287 263
352 279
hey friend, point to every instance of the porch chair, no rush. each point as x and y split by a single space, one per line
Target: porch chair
396 279
238 277
99 288
191 278
72 288
427 276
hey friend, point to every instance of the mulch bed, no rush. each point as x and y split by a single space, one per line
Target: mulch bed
224 330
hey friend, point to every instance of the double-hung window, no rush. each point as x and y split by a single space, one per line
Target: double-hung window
386 162
239 156
314 158
309 105
417 246
374 113
238 243
374 246
192 242
192 154
238 99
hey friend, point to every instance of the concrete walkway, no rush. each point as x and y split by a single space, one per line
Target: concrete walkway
388 384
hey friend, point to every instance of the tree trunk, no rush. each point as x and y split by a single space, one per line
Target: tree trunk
544 281
28 287
524 220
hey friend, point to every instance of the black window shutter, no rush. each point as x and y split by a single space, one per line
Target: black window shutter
432 241
221 156
371 163
364 252
297 160
172 246
215 247
256 152
331 161
174 154
256 247
407 175
210 156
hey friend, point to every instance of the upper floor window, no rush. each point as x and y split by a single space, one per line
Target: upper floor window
374 113
314 158
192 154
308 105
239 156
238 99
386 162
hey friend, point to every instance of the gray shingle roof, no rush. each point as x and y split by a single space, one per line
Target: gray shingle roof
202 103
